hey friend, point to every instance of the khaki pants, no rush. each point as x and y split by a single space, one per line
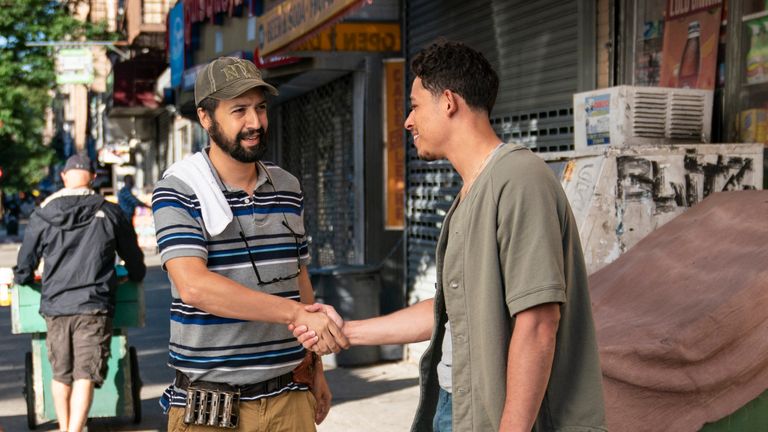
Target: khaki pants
291 411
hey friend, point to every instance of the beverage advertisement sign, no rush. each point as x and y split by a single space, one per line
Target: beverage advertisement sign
691 36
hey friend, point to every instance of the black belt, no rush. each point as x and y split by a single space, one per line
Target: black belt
246 391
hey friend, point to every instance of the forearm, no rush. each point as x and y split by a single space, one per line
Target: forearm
412 324
27 259
134 262
224 297
24 270
306 293
529 364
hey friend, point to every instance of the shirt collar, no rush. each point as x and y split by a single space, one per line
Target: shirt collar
263 176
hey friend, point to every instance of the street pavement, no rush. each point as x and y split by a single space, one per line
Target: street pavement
375 398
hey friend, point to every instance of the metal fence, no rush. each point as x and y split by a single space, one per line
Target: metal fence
317 147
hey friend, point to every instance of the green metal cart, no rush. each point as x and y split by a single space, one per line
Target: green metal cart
119 395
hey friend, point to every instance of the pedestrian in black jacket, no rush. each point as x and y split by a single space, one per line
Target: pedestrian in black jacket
77 233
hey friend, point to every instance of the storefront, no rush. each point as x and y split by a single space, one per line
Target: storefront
545 51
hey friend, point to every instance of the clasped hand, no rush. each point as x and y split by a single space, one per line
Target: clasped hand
319 328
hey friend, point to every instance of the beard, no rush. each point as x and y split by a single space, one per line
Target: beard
233 147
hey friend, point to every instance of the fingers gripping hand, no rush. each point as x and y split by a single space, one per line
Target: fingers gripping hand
332 314
330 337
310 338
328 310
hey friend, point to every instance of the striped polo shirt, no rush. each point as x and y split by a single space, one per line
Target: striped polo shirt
212 348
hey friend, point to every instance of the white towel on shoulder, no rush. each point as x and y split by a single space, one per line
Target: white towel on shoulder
196 173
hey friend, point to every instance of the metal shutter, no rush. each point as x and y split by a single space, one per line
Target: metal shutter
534 47
316 134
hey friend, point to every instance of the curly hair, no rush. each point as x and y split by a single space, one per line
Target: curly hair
447 65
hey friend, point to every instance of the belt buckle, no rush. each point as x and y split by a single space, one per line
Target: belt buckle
212 407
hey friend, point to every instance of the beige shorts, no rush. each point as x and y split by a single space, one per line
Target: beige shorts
78 347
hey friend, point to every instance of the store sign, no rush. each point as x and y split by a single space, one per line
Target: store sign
176 42
272 61
292 20
74 66
678 8
394 94
358 36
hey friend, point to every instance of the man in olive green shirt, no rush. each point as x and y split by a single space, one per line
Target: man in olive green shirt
519 352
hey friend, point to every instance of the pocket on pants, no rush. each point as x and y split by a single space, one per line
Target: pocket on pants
99 366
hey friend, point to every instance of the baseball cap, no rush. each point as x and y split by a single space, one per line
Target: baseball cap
78 161
227 78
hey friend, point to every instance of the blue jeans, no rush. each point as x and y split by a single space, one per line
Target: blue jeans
443 421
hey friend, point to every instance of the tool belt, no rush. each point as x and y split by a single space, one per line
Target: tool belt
218 404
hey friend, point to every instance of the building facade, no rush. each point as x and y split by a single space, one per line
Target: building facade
343 79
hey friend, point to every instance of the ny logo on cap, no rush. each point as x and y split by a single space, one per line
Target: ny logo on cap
238 70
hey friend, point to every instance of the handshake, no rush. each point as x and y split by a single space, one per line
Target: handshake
320 329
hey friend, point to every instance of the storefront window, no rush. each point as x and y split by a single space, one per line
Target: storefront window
154 11
648 37
646 26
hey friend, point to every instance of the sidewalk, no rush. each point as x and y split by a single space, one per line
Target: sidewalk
9 250
379 398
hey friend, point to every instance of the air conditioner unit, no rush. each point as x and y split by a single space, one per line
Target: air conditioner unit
626 115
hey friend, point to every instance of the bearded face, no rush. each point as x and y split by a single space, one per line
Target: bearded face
232 145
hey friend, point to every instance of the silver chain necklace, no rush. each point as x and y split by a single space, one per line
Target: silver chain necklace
468 185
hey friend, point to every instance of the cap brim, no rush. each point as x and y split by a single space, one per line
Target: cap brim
241 87
77 169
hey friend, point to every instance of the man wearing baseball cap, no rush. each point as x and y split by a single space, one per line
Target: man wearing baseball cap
77 233
230 229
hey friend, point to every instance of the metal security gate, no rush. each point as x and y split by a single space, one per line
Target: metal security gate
432 188
536 48
317 146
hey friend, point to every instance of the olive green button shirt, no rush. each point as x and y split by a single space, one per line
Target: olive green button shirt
510 245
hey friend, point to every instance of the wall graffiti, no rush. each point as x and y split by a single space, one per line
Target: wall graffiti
671 186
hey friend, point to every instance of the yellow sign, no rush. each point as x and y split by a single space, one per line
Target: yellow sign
292 20
394 93
367 36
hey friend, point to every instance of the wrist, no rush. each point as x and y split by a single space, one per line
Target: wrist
350 330
294 312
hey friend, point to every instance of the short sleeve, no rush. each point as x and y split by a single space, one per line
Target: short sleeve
296 224
178 224
529 235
